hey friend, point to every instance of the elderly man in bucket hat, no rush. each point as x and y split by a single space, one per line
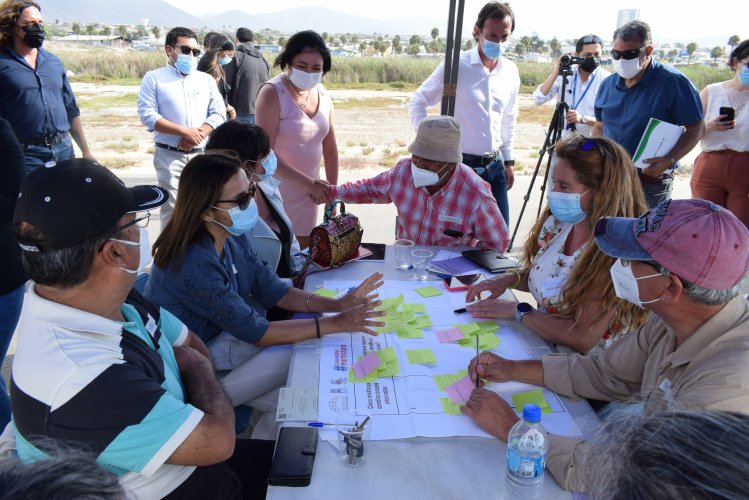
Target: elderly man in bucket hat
440 201
100 367
684 261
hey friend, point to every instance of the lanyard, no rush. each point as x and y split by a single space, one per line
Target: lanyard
574 90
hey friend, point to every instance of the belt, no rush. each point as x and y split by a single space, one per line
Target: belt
44 140
482 160
646 179
172 148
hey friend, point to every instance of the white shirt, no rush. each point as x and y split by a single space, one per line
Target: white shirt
190 101
486 104
580 95
737 138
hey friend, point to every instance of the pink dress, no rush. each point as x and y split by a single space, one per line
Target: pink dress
299 142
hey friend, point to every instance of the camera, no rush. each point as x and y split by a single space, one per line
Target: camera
568 61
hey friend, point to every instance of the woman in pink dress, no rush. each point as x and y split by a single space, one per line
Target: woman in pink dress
297 112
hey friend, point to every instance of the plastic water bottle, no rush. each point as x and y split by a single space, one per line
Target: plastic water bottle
527 446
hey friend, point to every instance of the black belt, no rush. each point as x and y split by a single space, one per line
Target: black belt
482 160
172 148
44 140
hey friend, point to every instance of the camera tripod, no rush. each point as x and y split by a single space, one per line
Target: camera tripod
553 134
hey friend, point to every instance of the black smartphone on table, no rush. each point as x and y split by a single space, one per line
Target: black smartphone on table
456 283
730 113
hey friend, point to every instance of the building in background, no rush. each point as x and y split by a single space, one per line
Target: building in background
626 16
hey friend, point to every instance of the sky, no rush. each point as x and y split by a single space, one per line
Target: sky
670 20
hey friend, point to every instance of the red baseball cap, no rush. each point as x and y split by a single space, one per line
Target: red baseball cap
697 240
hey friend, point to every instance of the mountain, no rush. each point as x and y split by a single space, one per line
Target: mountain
157 12
322 19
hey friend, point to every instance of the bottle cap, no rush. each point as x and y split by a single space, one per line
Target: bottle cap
532 413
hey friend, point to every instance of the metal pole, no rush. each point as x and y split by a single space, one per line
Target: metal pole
456 58
447 79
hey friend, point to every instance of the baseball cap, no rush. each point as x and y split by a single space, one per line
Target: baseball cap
76 200
697 240
438 139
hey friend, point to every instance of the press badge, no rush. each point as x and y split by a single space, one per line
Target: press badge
450 218
552 287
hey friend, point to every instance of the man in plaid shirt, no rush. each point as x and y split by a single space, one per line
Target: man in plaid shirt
440 201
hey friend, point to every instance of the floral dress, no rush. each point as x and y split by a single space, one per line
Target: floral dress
549 271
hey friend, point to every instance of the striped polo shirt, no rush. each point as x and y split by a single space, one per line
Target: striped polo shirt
112 387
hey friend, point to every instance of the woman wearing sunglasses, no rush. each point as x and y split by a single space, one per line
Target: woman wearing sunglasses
206 274
272 238
721 171
562 266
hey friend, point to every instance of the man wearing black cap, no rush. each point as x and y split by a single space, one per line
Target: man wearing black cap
121 377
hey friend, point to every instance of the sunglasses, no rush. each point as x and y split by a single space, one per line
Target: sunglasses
188 50
244 199
627 54
591 39
589 144
139 221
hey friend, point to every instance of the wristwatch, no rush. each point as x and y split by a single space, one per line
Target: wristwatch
522 309
672 160
509 163
582 119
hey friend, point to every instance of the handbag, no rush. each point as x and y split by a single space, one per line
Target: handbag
337 239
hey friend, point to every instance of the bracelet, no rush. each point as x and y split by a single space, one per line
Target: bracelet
509 163
317 326
518 278
306 302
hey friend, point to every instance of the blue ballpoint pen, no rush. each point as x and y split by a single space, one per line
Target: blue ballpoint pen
317 424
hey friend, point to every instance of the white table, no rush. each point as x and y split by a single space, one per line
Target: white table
428 468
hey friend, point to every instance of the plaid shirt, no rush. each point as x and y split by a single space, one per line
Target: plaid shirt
464 205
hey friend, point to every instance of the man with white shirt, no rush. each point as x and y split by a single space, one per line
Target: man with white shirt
582 86
486 103
182 106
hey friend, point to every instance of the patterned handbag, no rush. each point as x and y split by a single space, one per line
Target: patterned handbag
337 239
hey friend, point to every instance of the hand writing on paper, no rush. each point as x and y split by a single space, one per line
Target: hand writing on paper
490 412
492 308
362 293
490 367
359 318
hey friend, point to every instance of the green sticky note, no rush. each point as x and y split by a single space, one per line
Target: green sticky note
326 292
389 369
468 328
409 332
488 341
421 322
387 354
450 407
414 308
372 377
390 304
388 327
487 326
443 381
421 356
534 397
428 291
403 317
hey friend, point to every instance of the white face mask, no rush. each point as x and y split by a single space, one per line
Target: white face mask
625 283
627 68
303 80
145 251
423 177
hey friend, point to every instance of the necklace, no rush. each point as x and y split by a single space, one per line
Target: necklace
298 95
737 98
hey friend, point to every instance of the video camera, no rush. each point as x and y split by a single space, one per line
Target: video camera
566 62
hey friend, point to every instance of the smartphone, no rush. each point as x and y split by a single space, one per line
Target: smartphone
456 283
729 112
377 249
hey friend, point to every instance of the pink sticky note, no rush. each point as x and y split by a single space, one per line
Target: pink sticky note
366 365
450 335
461 390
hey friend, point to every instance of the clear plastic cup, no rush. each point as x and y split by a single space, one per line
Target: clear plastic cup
421 260
402 253
353 428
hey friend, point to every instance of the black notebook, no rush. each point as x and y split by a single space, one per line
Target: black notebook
491 260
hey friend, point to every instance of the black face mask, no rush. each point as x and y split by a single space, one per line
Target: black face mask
590 64
34 35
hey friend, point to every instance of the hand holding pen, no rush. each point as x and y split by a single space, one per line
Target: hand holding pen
487 366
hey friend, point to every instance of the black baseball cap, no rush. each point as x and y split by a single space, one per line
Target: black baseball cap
76 200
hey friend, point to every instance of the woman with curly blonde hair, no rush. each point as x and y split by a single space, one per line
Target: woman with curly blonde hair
562 266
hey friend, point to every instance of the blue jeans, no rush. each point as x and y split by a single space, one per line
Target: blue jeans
37 156
658 191
248 118
494 174
10 310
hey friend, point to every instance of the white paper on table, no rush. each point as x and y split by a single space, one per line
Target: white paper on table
408 405
658 139
297 404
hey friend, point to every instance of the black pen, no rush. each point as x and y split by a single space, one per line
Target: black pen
460 311
452 233
477 361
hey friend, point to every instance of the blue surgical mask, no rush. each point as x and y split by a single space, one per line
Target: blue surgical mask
224 60
493 50
186 63
270 163
744 75
566 206
242 221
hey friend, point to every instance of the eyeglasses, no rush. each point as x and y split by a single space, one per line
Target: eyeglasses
138 221
588 145
627 54
186 50
243 200
591 39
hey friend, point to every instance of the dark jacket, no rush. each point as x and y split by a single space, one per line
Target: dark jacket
245 75
12 172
